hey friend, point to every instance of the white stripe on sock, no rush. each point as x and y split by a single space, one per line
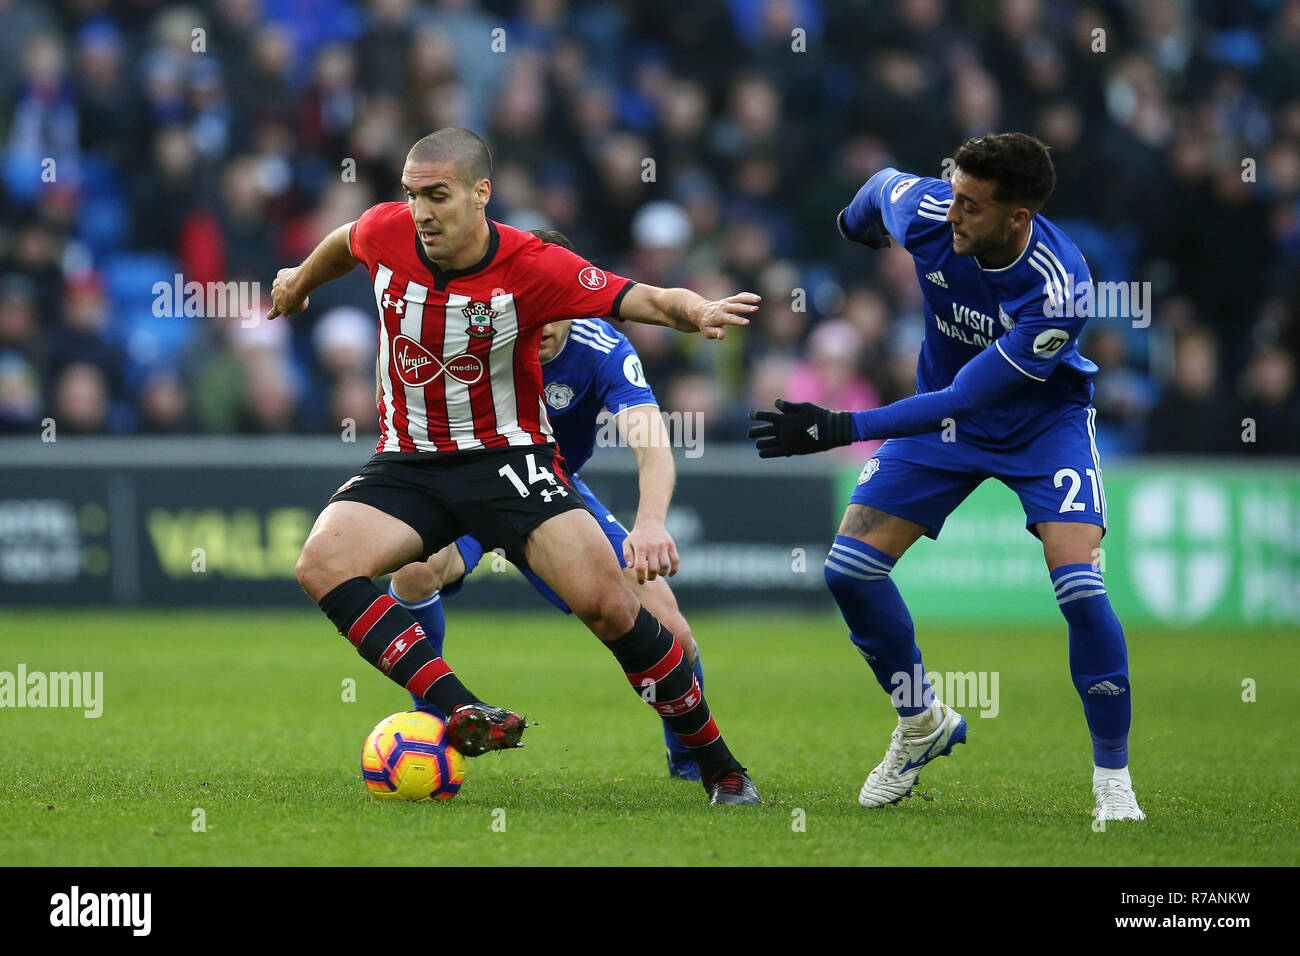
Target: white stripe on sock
843 569
1079 594
1092 575
857 559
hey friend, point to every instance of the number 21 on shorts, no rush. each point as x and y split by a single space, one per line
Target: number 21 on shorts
535 475
1071 477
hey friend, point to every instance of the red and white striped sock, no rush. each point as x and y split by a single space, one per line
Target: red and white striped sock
389 637
657 668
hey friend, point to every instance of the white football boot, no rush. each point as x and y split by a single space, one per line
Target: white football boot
915 742
1115 797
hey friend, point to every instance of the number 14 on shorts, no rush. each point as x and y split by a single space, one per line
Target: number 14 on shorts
535 475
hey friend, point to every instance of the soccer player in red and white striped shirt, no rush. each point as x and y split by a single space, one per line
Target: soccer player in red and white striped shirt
465 446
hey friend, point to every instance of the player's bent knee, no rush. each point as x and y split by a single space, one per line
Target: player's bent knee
303 571
320 569
682 631
417 581
657 598
854 569
609 612
838 582
315 574
833 579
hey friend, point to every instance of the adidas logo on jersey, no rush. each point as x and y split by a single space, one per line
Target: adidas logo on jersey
1106 688
812 430
937 278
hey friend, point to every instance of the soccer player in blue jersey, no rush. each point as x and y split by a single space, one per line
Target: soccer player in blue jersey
587 367
1002 392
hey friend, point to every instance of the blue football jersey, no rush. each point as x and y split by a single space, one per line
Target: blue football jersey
1028 310
596 368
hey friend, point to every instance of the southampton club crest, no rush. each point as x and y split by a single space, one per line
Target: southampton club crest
480 316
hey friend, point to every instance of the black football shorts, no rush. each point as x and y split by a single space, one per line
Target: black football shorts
499 495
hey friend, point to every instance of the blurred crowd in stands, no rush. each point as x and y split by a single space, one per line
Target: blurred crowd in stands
708 144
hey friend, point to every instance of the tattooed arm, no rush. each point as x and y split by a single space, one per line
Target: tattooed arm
686 311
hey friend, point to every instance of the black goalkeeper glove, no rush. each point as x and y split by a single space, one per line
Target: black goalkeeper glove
799 428
876 237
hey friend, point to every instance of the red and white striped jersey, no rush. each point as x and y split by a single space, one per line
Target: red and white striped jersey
458 365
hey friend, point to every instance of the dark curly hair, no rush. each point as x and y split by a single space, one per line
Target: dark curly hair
553 237
1018 164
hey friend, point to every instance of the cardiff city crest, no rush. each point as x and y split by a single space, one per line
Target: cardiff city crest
871 468
480 316
559 395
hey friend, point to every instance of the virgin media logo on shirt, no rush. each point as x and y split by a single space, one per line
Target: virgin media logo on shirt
416 366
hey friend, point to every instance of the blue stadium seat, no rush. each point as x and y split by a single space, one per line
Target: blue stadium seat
1111 253
103 221
152 340
129 277
22 175
1112 257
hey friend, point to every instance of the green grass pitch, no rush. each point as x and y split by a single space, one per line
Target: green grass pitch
242 716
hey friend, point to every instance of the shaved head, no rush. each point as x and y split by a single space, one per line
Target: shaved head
461 147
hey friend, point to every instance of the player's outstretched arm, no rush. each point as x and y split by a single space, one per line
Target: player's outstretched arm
801 428
330 260
687 311
649 549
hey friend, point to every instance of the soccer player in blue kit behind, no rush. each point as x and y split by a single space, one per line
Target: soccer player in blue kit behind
587 366
1002 392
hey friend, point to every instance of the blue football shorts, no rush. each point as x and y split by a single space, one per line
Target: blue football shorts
1057 475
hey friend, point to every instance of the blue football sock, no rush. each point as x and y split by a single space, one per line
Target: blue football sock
1098 660
428 613
879 623
675 746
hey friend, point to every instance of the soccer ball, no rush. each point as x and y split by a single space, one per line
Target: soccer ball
407 757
